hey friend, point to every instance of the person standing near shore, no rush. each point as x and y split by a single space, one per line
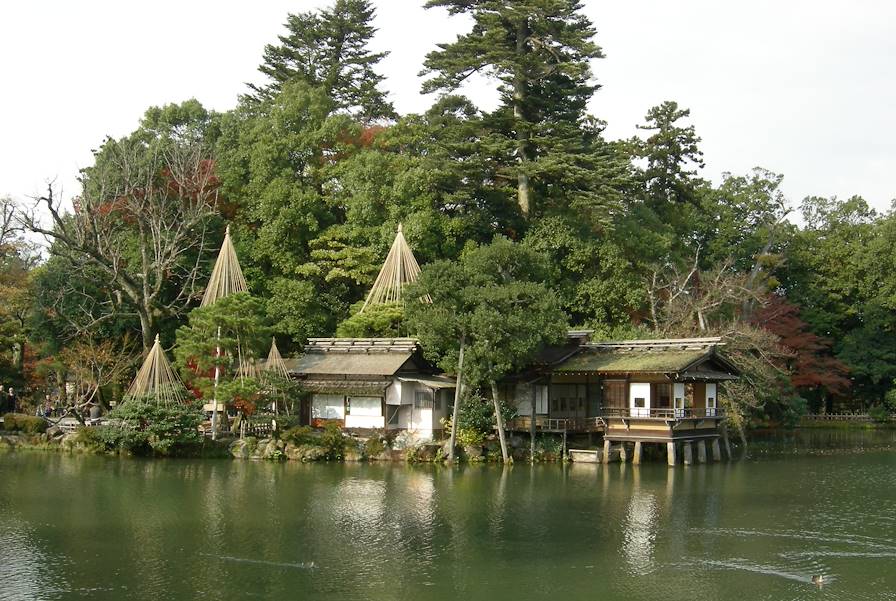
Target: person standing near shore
11 399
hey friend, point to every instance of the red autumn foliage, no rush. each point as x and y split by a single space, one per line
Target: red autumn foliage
369 135
199 186
813 366
194 369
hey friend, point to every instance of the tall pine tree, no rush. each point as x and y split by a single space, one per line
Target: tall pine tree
539 51
329 49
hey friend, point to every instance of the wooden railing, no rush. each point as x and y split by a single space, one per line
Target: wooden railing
558 424
665 413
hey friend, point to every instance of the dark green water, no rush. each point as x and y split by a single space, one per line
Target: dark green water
104 528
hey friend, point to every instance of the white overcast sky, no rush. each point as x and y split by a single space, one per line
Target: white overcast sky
804 88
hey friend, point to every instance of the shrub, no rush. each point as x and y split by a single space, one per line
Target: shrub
880 414
374 446
92 438
285 423
299 435
478 413
333 441
28 424
31 424
470 437
146 426
9 422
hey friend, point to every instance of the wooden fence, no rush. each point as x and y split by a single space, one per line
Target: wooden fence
841 417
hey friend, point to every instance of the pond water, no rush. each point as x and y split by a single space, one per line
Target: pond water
819 502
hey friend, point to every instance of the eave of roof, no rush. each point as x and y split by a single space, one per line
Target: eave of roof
431 381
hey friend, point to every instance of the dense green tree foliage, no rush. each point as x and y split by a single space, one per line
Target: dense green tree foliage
314 171
494 305
540 53
329 50
231 335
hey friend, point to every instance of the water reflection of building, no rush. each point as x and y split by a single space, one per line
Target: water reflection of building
639 528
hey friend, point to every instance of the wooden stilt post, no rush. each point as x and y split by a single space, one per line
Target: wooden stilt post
606 451
670 453
716 450
688 453
727 444
623 452
701 451
532 420
636 457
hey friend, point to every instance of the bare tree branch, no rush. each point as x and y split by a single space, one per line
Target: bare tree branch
143 220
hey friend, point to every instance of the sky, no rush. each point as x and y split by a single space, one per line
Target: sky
806 89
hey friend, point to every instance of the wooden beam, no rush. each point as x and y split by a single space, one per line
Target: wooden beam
688 453
670 453
701 451
636 458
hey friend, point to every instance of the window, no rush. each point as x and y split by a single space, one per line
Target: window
664 394
423 399
639 402
328 406
392 414
365 405
541 399
614 393
437 401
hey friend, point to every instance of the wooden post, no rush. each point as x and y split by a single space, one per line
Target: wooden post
670 453
458 385
606 451
636 458
532 423
727 444
688 453
716 450
623 453
701 451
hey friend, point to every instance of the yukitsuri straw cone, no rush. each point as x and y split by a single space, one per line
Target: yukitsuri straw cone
156 381
247 366
399 268
227 277
277 367
275 361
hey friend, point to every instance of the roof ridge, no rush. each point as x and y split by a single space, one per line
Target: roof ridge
661 344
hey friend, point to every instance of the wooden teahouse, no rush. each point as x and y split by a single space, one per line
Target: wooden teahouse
633 391
373 383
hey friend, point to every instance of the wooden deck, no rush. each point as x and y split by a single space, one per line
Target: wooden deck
663 425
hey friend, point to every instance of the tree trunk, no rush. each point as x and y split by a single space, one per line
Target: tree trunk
146 331
521 125
457 396
499 421
532 415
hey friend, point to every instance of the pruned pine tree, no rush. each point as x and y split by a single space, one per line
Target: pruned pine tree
485 317
540 52
329 49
